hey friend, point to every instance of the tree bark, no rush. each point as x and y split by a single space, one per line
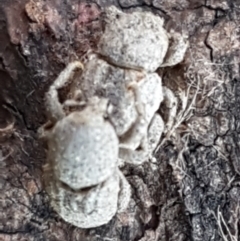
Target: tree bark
191 191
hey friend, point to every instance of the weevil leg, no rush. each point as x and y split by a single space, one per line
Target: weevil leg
170 111
134 138
135 157
178 45
53 106
124 194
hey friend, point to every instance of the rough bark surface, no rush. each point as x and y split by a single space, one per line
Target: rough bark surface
191 191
